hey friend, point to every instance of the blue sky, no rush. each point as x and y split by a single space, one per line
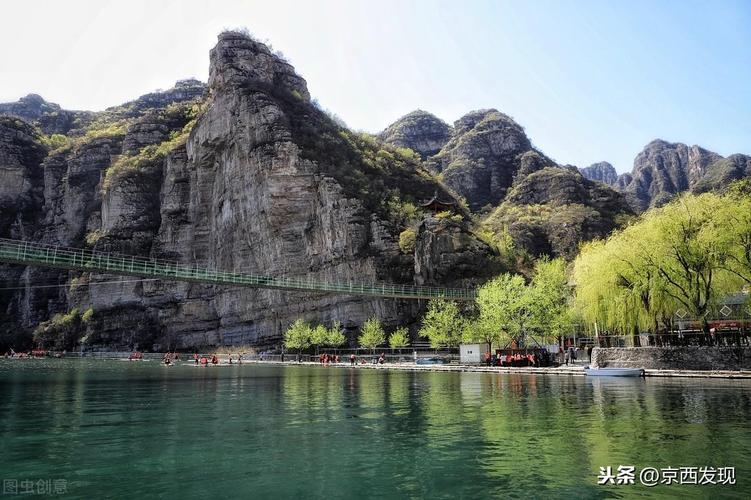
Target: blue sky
589 81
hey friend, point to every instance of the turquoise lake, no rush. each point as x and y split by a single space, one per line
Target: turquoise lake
119 429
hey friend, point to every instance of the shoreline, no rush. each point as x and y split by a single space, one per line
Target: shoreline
561 370
577 371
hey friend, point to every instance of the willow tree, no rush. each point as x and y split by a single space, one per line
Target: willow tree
731 230
667 260
683 249
615 288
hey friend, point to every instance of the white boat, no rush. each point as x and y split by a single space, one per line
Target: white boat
614 372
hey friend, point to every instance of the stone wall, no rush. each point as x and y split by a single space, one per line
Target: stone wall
674 358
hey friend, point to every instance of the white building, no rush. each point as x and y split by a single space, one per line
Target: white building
472 354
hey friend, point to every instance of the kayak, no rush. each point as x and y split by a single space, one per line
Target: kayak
614 372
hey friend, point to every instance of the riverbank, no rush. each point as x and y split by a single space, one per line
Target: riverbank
575 370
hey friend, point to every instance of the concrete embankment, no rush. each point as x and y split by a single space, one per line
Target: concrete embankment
678 358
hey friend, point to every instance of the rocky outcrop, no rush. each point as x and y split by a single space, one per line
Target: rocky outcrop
665 169
183 91
551 211
21 153
482 157
722 173
603 172
446 253
49 117
420 131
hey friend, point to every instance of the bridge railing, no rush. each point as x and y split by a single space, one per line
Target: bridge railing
32 253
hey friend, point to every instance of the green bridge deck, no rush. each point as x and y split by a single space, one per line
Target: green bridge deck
39 254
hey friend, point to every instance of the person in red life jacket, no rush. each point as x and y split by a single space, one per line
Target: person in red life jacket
195 358
204 361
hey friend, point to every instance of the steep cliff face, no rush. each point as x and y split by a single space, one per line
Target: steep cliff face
419 131
602 171
21 153
254 178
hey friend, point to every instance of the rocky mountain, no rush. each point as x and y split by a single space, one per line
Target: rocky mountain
602 171
551 211
419 131
482 157
723 172
245 174
663 169
545 208
47 116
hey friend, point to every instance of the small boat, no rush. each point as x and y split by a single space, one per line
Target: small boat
430 361
614 372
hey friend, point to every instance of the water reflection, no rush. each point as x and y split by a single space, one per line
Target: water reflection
328 432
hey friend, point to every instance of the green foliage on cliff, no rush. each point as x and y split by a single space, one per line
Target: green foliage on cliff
61 332
407 240
368 170
56 141
87 315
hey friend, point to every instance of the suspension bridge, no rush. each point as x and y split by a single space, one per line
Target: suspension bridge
43 255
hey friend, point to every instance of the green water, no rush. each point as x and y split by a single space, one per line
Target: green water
127 429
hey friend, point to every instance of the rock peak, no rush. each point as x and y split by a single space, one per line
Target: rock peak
422 132
601 171
238 60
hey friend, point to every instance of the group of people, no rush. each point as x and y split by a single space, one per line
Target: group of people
512 360
204 361
353 360
327 358
169 357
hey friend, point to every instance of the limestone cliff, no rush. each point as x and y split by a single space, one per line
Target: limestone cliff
248 175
